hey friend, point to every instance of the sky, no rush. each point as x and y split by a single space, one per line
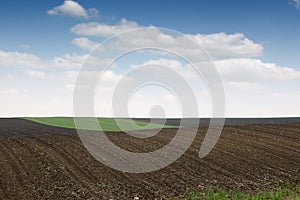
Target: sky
254 45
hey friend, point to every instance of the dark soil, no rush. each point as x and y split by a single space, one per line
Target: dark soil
44 162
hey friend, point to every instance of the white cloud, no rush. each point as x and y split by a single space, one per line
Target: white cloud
233 71
296 3
107 77
243 86
69 61
219 45
102 29
244 98
24 60
74 9
228 45
35 74
16 59
93 13
84 43
245 69
180 68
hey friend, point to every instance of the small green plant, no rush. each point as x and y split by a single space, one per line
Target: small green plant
104 185
288 192
192 195
61 167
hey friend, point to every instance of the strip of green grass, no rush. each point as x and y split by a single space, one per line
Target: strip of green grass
276 194
107 124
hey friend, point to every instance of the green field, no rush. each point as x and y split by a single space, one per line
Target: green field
107 124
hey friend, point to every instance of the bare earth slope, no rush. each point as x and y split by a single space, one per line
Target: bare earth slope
39 161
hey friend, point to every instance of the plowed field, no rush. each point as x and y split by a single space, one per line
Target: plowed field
43 162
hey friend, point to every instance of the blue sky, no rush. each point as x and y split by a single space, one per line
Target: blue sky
276 24
272 27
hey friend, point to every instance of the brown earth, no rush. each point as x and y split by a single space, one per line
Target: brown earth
43 162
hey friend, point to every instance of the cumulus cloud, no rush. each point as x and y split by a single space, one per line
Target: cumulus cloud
107 76
175 65
73 9
24 60
228 45
219 45
84 43
233 71
102 29
254 70
296 3
16 59
67 61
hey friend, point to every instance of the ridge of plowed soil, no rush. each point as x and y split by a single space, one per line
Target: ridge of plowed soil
43 162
